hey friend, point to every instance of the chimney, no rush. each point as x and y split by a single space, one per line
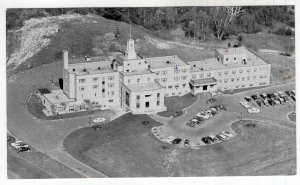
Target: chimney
66 59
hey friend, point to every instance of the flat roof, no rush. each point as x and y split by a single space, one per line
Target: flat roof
143 72
166 61
144 87
57 96
214 64
121 58
203 81
230 51
87 68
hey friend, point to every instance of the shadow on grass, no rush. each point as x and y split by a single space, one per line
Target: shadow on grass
175 104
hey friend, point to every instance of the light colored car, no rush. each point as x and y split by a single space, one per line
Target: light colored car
194 120
99 120
19 144
170 138
227 133
202 115
253 110
245 104
222 137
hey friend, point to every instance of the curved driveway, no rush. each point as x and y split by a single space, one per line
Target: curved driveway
45 135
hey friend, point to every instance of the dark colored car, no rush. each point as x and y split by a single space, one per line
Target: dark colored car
205 140
176 141
272 102
248 99
271 96
263 96
186 142
259 103
23 149
211 139
254 97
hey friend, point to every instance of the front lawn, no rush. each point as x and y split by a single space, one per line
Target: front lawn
177 103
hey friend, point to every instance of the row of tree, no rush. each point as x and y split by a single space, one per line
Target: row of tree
197 22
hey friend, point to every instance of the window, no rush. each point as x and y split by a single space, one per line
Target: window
111 100
164 79
255 69
234 71
170 87
158 95
103 82
95 86
129 81
234 58
204 87
226 59
225 80
95 94
248 70
241 71
103 90
183 70
81 80
183 85
232 79
95 79
248 78
226 72
201 75
158 103
176 86
138 80
137 105
164 72
82 88
193 76
147 104
137 97
111 77
254 77
208 74
220 73
243 79
112 93
176 78
183 77
111 84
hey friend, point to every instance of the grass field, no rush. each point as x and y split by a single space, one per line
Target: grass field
177 104
128 149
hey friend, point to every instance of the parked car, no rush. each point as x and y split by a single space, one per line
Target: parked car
264 96
259 103
248 99
202 115
214 138
20 146
176 141
253 110
221 137
272 102
211 139
245 104
205 140
254 97
227 133
186 142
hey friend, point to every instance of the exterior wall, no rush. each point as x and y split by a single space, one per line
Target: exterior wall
69 85
99 89
237 78
135 65
199 89
135 79
231 58
176 82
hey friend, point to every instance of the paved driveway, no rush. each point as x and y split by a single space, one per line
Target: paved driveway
277 115
45 135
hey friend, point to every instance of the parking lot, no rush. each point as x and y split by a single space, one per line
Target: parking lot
205 122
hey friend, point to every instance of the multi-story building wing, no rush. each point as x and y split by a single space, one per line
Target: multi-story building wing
232 68
139 85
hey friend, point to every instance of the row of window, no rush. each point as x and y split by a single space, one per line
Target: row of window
244 85
147 95
147 104
227 72
96 79
138 80
109 93
82 88
176 86
176 78
176 71
244 78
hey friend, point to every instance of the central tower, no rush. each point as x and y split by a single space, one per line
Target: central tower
130 52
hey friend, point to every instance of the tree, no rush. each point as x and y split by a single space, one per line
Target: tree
223 17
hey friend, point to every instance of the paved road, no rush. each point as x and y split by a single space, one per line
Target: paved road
276 116
45 135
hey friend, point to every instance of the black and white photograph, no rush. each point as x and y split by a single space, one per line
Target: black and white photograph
150 91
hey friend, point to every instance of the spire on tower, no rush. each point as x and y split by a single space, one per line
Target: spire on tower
130 31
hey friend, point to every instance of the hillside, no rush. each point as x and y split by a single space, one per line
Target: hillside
41 40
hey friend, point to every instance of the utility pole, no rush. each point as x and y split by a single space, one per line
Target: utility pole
52 81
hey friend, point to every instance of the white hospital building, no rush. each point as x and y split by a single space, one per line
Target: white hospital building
139 85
